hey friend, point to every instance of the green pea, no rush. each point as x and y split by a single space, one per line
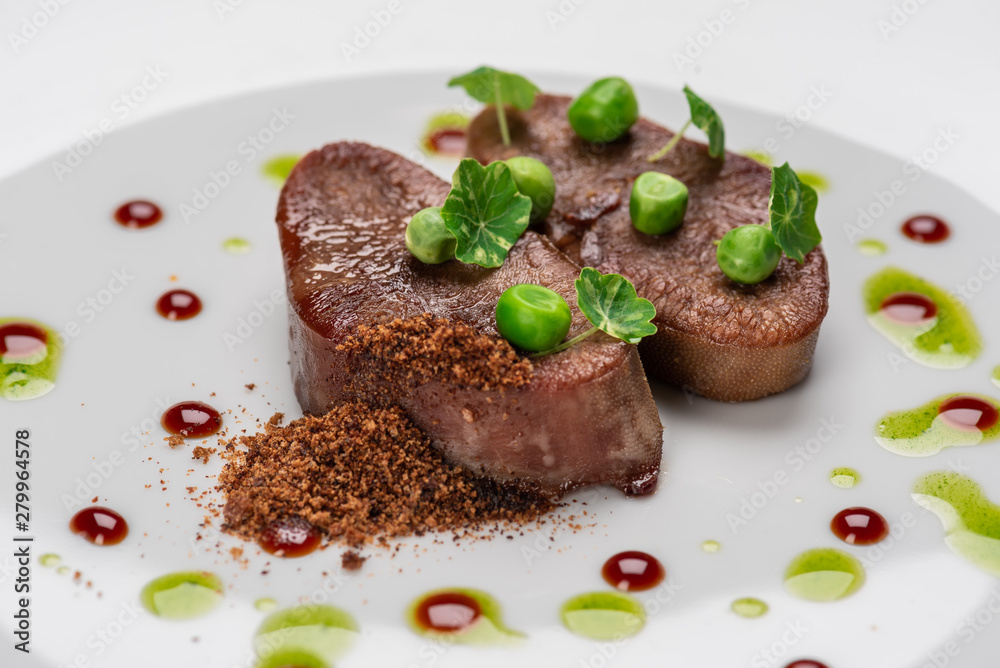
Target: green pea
748 254
532 317
534 180
658 203
605 111
428 239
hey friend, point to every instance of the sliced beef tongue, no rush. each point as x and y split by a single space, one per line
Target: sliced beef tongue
586 417
715 338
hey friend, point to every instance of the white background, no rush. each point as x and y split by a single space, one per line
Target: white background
891 88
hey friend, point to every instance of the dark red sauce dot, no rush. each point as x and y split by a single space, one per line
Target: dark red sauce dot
859 526
101 526
633 571
926 229
909 308
806 663
19 340
290 537
138 213
447 612
447 141
178 305
969 413
191 419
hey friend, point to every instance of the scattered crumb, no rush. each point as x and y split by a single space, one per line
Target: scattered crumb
202 453
351 560
250 386
174 440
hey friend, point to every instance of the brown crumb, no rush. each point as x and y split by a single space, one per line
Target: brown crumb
250 386
351 560
359 474
236 552
202 453
94 500
174 440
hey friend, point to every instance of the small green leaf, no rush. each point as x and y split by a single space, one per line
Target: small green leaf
611 304
793 213
706 118
485 83
485 212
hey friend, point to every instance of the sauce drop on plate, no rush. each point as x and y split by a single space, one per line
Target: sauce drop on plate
859 526
137 214
447 612
806 663
926 229
603 615
844 477
290 537
948 421
183 595
824 574
191 419
633 571
970 519
749 607
909 308
969 413
178 305
101 526
29 359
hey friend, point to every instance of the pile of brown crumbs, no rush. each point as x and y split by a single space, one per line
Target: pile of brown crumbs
361 473
420 349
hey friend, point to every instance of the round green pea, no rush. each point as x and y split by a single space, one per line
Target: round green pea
532 317
534 179
658 203
748 254
605 111
428 239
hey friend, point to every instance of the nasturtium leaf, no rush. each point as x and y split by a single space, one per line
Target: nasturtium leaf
611 304
485 212
706 118
486 84
793 213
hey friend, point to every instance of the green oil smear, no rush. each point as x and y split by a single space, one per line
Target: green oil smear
922 431
872 247
948 341
844 477
995 376
711 546
23 378
489 629
183 595
312 636
265 604
236 246
50 560
749 607
603 615
446 120
63 570
761 156
814 179
824 574
279 167
971 521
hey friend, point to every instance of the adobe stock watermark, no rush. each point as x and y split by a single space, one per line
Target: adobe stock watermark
121 109
223 8
246 325
34 23
913 169
105 636
545 542
248 149
365 34
712 29
796 119
771 655
92 306
562 12
899 16
970 628
796 459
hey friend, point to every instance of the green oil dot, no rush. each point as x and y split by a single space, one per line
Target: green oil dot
819 182
948 340
279 167
925 430
265 604
995 376
62 570
971 521
749 607
236 246
487 629
312 636
603 615
761 156
844 477
50 560
824 574
445 134
183 595
29 359
711 546
872 247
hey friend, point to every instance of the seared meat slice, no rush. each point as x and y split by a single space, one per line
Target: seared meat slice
586 417
716 338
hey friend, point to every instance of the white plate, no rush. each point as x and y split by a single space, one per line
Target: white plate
61 248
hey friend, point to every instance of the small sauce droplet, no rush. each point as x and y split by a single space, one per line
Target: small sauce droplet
191 419
824 574
447 612
926 229
62 570
21 341
264 604
995 376
138 214
806 663
603 615
50 560
971 521
859 526
749 607
969 413
711 546
447 141
183 595
633 571
290 537
236 246
178 305
101 526
910 308
872 247
844 477
29 359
